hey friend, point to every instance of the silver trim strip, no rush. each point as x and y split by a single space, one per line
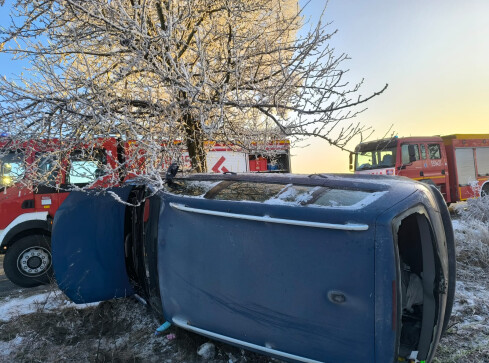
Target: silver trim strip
183 324
267 219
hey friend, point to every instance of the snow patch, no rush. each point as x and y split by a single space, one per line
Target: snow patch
48 301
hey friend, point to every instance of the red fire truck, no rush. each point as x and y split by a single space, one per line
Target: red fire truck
273 156
457 164
27 206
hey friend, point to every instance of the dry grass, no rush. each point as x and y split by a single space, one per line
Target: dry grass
114 331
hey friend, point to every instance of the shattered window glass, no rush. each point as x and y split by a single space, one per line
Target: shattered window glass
248 191
192 188
341 197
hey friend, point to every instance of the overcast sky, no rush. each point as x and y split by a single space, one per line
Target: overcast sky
433 54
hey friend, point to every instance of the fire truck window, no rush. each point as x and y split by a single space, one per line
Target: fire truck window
247 191
482 157
86 166
405 153
12 168
423 151
434 151
375 159
46 168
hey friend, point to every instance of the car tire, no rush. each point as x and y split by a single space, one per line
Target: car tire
28 261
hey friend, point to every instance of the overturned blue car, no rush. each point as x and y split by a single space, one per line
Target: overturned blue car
318 268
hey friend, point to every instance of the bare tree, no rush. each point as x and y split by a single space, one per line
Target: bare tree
158 71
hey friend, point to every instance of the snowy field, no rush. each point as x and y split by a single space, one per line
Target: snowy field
47 327
467 338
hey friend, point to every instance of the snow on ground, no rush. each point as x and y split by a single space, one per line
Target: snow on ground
467 338
48 301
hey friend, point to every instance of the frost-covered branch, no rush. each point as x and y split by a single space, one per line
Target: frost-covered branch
171 75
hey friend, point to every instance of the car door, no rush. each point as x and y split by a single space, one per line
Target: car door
286 270
87 245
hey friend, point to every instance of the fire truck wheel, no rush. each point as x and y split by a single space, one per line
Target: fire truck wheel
485 190
27 262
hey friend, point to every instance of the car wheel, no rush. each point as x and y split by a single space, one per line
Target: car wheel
27 262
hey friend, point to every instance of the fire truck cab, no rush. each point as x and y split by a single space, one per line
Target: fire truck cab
27 206
458 165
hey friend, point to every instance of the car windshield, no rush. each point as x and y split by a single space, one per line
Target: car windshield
375 159
12 168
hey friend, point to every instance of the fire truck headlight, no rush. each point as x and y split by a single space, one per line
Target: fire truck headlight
6 180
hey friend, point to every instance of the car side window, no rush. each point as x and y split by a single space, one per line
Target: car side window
192 188
434 151
250 191
296 195
341 197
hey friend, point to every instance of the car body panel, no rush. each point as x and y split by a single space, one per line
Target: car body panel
266 278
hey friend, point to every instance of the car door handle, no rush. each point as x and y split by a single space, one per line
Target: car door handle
268 219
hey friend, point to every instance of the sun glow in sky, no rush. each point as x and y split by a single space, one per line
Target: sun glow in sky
433 54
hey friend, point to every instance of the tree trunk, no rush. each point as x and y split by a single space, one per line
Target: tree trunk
195 143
